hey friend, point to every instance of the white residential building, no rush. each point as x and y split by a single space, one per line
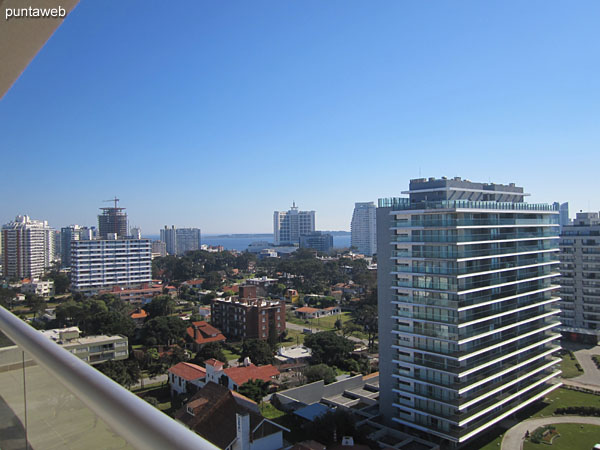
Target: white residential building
43 288
468 311
180 240
100 264
27 248
92 349
580 278
289 225
364 228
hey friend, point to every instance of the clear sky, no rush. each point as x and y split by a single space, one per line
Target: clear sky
213 114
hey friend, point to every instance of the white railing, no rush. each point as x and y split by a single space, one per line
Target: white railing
135 420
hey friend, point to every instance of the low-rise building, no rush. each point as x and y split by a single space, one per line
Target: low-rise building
202 333
229 421
234 377
43 288
139 295
184 375
139 316
91 349
307 312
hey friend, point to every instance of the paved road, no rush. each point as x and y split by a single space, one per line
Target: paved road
513 439
591 374
293 326
159 379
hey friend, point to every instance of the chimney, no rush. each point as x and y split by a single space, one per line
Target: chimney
242 432
247 361
195 331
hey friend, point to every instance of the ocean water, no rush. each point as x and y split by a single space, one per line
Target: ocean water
241 243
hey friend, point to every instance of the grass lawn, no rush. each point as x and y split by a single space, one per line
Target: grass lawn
572 436
160 393
294 337
230 355
269 411
567 365
558 398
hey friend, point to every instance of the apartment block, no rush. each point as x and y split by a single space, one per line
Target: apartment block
101 264
580 278
248 318
317 240
289 225
91 349
468 305
27 248
364 228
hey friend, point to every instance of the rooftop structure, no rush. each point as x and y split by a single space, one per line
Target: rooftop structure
113 220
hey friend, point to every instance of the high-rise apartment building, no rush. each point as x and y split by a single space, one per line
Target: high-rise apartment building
103 263
180 240
68 235
563 209
364 228
169 237
188 240
289 225
317 240
468 311
580 278
27 248
112 221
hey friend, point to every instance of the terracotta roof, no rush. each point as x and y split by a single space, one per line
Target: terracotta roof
307 309
194 282
243 374
331 307
206 333
141 314
188 371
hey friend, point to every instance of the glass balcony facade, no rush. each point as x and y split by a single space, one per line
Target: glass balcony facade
475 310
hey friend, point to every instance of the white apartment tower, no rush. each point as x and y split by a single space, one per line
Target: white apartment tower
364 228
289 225
580 278
468 314
27 248
103 263
178 241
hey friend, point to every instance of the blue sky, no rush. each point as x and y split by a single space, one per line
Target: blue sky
213 114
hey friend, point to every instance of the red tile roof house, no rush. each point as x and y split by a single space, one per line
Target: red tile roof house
183 373
201 333
139 317
234 377
218 415
306 312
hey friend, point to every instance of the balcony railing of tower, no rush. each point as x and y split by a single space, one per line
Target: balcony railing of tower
402 203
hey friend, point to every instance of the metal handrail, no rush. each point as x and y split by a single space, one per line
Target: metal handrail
139 423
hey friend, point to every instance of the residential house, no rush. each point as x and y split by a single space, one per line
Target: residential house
229 421
202 333
184 374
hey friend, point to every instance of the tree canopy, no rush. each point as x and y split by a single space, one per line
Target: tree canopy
259 352
328 348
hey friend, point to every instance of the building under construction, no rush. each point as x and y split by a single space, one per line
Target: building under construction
112 221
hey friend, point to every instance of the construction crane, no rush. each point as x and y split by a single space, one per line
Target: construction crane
116 200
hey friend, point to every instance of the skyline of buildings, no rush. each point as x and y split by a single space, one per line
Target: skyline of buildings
467 311
180 240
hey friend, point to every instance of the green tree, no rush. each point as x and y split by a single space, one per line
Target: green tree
163 331
328 348
366 316
61 281
259 352
126 372
208 351
161 305
254 389
35 303
320 372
